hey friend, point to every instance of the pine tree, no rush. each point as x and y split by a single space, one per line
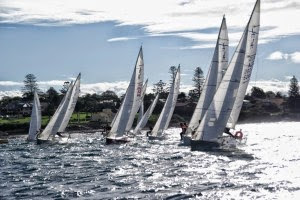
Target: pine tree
294 95
198 80
30 85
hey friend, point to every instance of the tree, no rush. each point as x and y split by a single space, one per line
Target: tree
294 95
198 80
30 86
258 93
173 71
270 94
65 87
53 100
181 97
159 87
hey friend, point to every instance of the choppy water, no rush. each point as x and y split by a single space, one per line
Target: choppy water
267 167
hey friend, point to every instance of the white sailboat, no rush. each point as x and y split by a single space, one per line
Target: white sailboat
215 74
63 113
167 111
36 118
142 123
123 120
215 119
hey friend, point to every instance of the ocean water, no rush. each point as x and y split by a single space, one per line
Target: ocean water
266 167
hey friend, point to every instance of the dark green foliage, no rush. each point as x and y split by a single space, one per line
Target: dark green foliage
294 96
258 93
30 86
198 80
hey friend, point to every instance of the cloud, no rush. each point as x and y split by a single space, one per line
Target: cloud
277 55
121 86
273 85
117 39
158 16
295 57
11 83
118 87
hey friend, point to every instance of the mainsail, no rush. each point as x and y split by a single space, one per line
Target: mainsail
63 113
217 115
142 123
215 74
131 103
252 39
36 116
168 109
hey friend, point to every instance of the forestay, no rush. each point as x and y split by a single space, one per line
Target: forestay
130 105
168 109
215 74
36 116
216 117
252 39
142 123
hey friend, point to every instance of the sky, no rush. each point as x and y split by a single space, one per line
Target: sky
57 39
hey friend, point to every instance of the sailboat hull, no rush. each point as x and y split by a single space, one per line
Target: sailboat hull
3 141
39 141
186 140
200 145
156 137
122 140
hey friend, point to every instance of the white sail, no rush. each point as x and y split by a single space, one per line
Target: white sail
71 106
130 105
62 115
168 109
141 109
252 39
141 112
216 117
36 118
142 123
215 74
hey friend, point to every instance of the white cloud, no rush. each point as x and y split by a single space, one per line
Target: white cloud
157 16
10 83
121 86
273 85
118 87
295 57
277 55
117 39
10 93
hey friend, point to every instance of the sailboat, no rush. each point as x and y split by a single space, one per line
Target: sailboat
215 74
167 111
142 123
36 118
212 126
123 120
63 113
